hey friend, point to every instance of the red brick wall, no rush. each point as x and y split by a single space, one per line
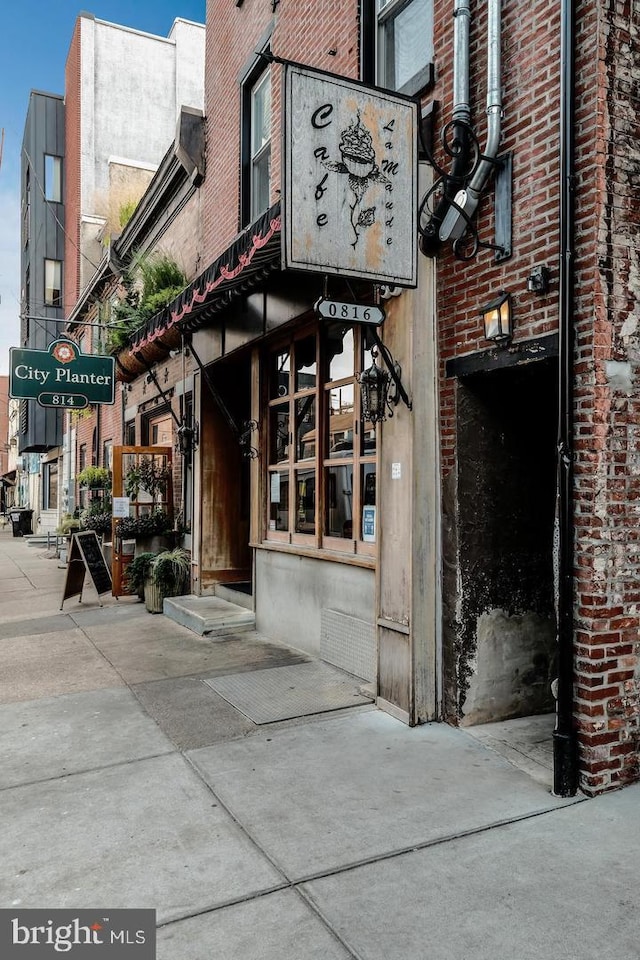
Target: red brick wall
72 172
303 31
607 272
530 72
607 411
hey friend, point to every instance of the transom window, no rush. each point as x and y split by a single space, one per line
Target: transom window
404 44
321 455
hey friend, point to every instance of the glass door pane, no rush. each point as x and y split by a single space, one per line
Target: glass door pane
305 501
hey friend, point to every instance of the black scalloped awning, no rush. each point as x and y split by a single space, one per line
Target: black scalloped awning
242 266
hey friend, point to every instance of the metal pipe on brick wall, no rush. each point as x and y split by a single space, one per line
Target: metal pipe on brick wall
565 759
455 223
461 118
461 21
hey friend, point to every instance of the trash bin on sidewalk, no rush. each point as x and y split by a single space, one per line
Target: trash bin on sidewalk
21 521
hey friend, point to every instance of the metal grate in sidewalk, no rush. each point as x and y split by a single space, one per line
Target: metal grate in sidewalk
282 693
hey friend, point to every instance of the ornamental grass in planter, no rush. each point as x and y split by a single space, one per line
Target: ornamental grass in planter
168 576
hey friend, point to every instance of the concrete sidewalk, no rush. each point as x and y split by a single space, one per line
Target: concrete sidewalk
128 781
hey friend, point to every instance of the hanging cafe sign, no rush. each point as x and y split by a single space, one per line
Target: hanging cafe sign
61 376
350 176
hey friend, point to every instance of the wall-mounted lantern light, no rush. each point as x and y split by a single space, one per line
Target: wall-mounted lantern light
497 318
374 387
379 396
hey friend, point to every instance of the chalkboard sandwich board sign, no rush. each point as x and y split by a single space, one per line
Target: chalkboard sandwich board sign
85 556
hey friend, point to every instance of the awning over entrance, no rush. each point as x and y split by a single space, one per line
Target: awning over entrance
251 257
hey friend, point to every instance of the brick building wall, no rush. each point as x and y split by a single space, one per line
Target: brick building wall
530 79
324 36
606 485
607 430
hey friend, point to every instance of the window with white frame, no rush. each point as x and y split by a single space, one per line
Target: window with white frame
255 143
53 283
404 44
50 486
53 178
321 454
260 159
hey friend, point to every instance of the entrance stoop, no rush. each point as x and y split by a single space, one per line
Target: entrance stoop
210 616
239 593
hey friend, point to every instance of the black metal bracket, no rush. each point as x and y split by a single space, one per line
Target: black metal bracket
248 450
154 380
242 435
395 372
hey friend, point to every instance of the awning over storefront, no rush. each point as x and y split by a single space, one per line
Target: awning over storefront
247 262
8 479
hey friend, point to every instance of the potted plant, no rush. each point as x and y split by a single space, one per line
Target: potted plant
137 571
149 475
96 478
69 525
168 576
97 520
152 532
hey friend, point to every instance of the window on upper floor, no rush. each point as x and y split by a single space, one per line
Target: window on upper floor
26 209
256 144
53 178
53 283
397 44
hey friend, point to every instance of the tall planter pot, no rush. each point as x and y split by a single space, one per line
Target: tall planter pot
153 597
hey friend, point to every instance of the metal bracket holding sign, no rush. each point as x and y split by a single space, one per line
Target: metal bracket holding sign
85 557
61 376
339 310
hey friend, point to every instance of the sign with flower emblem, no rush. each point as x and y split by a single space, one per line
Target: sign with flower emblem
350 178
61 376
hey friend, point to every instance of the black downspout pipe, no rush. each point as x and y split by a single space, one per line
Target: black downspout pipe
565 754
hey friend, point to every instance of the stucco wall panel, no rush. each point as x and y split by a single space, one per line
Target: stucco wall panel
292 591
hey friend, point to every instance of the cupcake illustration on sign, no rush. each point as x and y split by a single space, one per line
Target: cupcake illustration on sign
64 352
358 161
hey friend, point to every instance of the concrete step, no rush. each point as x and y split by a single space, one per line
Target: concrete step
239 593
40 540
210 616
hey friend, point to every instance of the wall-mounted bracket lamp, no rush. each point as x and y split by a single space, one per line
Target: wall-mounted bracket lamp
381 390
188 437
498 320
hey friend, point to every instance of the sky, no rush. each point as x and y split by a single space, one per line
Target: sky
34 42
